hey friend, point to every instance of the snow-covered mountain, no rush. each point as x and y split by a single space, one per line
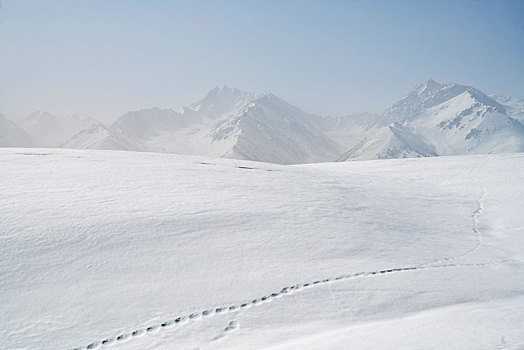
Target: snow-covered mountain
347 131
149 123
222 102
187 131
100 137
433 119
272 130
11 135
448 119
232 124
52 131
391 142
514 106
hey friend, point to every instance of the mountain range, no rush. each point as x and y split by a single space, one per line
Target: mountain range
433 119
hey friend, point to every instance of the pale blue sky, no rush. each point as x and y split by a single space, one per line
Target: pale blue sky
106 57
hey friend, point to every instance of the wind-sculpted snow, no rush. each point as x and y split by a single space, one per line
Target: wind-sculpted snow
156 251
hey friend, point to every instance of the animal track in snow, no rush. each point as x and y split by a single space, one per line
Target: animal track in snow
268 298
232 326
33 154
474 226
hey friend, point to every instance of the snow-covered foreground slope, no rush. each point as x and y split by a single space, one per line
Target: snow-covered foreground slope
128 250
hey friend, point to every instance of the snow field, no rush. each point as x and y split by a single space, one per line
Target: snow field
97 245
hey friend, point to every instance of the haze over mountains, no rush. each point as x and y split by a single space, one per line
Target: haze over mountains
11 135
433 119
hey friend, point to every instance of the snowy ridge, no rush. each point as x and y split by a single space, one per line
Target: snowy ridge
434 119
271 130
429 94
232 124
101 138
513 106
391 142
222 102
469 124
448 119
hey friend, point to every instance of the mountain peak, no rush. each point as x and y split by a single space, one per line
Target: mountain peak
432 84
40 114
222 100
223 90
430 94
269 97
428 87
227 89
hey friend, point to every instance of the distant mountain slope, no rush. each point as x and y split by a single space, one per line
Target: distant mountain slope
391 142
149 123
272 130
347 131
222 102
430 94
232 124
51 131
100 137
470 123
514 106
433 119
11 135
450 118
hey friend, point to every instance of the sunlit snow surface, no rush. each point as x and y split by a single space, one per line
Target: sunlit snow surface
107 249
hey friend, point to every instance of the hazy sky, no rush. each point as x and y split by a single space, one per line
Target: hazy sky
106 57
